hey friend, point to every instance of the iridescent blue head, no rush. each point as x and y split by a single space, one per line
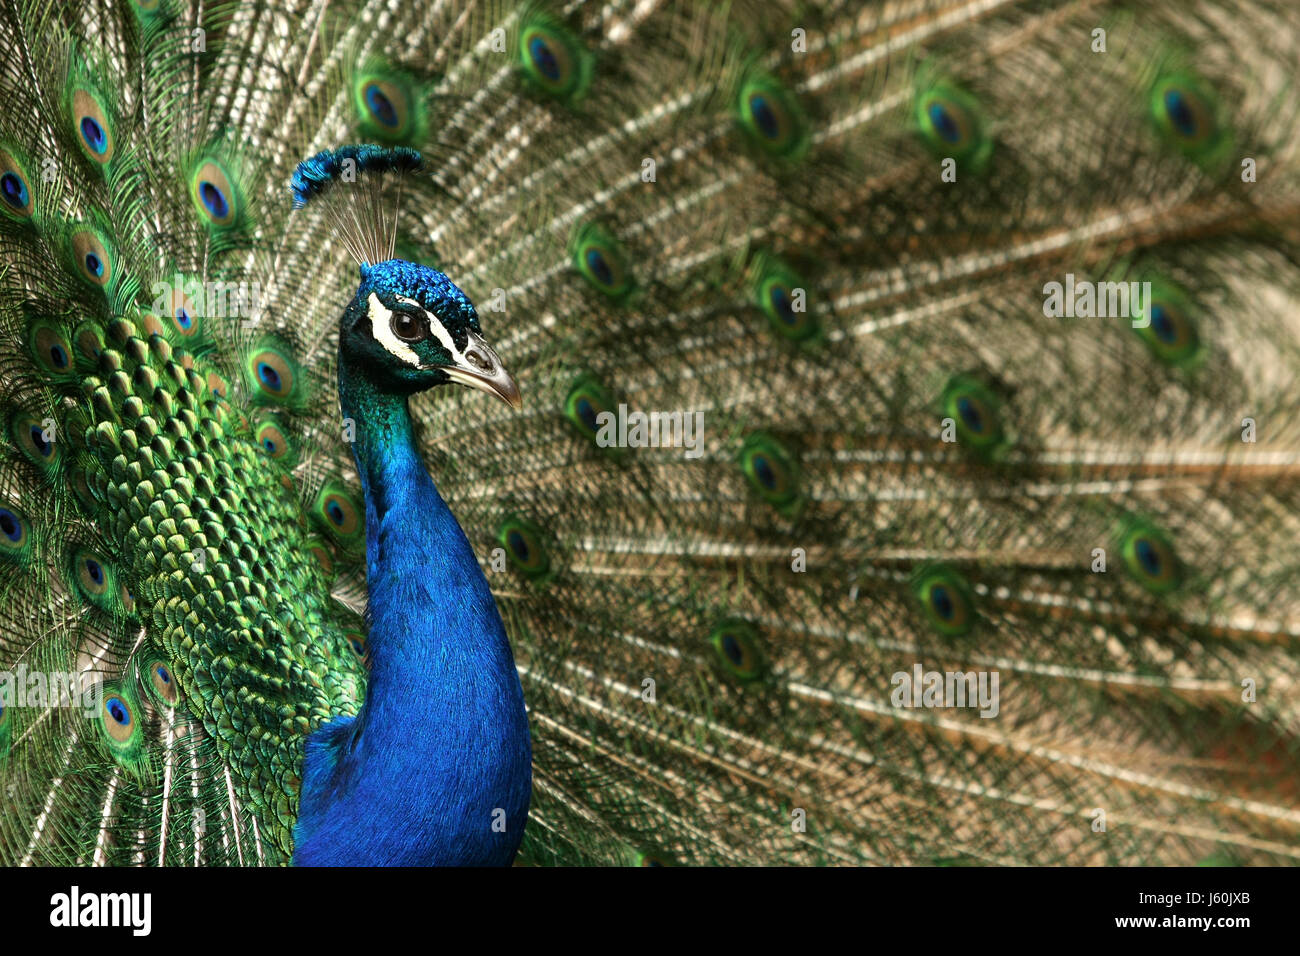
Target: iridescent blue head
409 328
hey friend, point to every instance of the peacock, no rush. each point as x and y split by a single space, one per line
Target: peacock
649 432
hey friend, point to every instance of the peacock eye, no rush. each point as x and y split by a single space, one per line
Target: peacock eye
408 327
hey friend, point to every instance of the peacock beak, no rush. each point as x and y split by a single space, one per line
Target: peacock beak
479 367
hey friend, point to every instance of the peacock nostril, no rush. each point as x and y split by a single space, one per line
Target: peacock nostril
479 360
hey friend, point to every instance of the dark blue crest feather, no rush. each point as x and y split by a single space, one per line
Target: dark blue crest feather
313 176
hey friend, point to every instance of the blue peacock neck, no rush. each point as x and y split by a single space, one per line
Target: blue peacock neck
436 769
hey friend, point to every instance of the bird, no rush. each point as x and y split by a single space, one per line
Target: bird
649 432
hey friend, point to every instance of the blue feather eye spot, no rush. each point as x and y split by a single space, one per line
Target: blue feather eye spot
95 581
602 261
93 135
1149 557
387 106
13 188
598 267
337 512
783 297
273 374
35 437
771 470
524 548
736 648
117 710
15 539
341 513
543 58
90 120
380 106
946 598
214 200
50 347
975 413
89 341
215 194
770 117
269 377
12 527
519 546
93 257
947 124
554 60
1185 114
270 437
161 684
1169 332
951 125
586 401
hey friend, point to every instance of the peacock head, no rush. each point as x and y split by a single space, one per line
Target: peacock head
410 328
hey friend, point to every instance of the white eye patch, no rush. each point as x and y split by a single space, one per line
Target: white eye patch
438 330
381 327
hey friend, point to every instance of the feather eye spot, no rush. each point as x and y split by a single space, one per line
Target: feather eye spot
1186 114
50 347
599 268
273 374
267 374
93 257
11 527
586 412
771 471
769 115
30 434
554 60
14 190
270 438
586 400
160 682
337 511
946 598
215 194
15 536
93 135
544 59
119 716
1150 558
387 106
214 200
381 107
763 115
524 548
602 261
977 415
736 648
